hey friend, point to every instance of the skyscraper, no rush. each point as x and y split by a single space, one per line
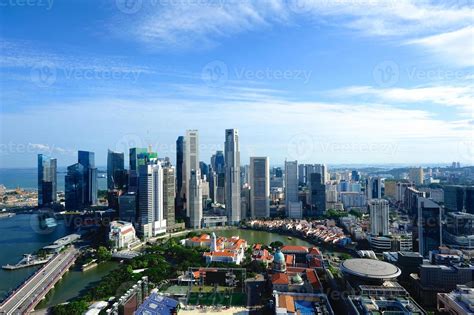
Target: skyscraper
169 193
416 175
133 168
317 195
291 189
301 174
115 170
46 180
373 188
75 187
195 200
191 163
259 187
232 176
180 179
219 168
429 226
86 159
379 217
150 199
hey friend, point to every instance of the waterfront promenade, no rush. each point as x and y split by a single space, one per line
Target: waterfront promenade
29 294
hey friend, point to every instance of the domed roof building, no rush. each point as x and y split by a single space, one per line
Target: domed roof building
279 264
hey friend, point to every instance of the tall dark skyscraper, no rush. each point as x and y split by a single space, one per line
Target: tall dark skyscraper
133 168
75 187
87 159
429 226
180 186
115 170
317 191
46 180
218 162
204 170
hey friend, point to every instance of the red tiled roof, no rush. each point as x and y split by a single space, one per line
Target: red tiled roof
313 278
280 278
314 251
293 248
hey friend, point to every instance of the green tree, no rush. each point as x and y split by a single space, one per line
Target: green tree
276 244
103 254
72 308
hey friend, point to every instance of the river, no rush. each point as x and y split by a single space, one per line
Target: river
20 235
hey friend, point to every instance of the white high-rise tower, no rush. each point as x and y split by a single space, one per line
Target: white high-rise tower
232 176
379 217
195 200
150 202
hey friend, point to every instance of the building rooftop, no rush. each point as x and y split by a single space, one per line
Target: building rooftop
370 268
398 305
157 305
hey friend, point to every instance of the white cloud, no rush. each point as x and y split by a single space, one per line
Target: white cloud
456 46
461 97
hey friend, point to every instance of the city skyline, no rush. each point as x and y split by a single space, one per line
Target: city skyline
346 89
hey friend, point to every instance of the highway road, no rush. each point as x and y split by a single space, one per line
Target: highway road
30 293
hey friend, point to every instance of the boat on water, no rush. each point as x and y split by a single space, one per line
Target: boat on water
6 215
290 238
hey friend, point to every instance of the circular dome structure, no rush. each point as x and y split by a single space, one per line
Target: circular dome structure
370 269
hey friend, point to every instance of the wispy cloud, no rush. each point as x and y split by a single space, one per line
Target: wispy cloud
461 97
456 46
440 28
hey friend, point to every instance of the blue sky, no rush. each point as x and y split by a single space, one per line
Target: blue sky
319 81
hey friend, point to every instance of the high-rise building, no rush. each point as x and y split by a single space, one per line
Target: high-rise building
390 189
150 199
219 168
86 159
416 175
195 200
355 175
429 226
191 163
133 167
128 207
301 175
204 168
180 179
169 192
46 180
373 188
469 200
291 189
379 217
455 197
259 187
115 170
75 187
134 158
232 176
317 195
